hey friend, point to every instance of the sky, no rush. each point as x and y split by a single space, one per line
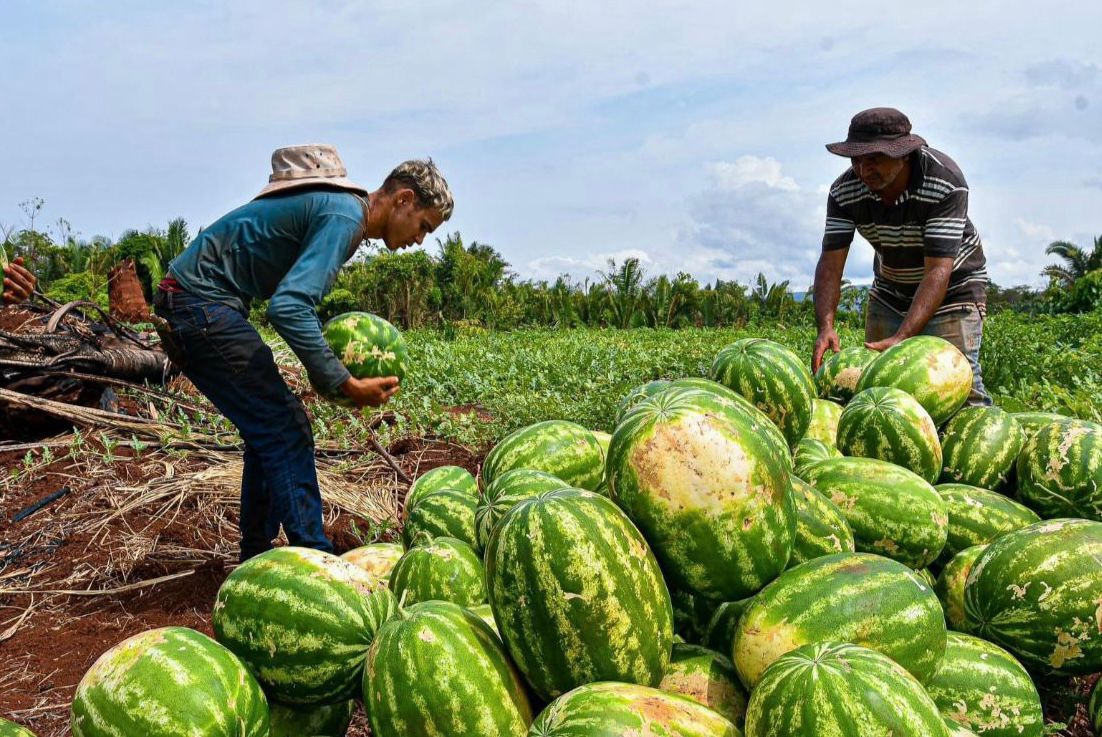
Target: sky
687 134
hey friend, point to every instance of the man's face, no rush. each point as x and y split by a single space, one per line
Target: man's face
877 171
409 223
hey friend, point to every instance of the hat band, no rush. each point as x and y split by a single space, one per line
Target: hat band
283 176
868 138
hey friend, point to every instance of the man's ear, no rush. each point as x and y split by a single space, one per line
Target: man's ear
403 197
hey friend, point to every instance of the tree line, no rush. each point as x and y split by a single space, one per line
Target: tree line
473 284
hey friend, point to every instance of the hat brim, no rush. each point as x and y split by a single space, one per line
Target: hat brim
335 182
895 148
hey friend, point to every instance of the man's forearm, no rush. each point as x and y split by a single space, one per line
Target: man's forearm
928 297
828 289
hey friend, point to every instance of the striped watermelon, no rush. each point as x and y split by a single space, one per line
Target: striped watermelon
690 614
443 513
809 451
1031 422
840 690
368 346
1038 593
707 678
378 559
443 477
719 635
637 395
564 449
1094 707
773 378
980 445
627 710
930 369
891 511
504 493
168 682
691 470
821 528
837 377
329 720
950 587
851 597
981 686
302 621
486 614
577 594
978 516
957 730
11 729
440 670
824 421
890 425
768 430
1060 471
445 569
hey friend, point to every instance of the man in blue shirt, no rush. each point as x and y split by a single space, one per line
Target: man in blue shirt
286 246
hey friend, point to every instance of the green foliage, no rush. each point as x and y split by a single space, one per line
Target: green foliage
337 302
82 286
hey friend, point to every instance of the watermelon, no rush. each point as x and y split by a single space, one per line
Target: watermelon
891 511
692 471
302 621
442 477
446 569
690 614
981 686
378 559
329 720
443 513
957 730
930 369
11 729
980 445
851 597
1038 593
486 614
564 449
637 395
504 493
773 378
978 516
1094 707
809 451
167 682
707 678
770 433
1060 471
837 376
821 528
1031 422
603 439
719 635
576 593
890 425
824 421
950 587
628 710
368 346
827 688
440 670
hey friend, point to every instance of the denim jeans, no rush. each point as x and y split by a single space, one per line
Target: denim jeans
963 327
223 355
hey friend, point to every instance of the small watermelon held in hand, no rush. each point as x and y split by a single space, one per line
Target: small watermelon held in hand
368 346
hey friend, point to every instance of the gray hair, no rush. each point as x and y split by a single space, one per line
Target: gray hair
426 181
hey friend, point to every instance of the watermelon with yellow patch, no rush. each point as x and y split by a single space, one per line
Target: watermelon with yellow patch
377 559
368 346
839 372
706 677
929 368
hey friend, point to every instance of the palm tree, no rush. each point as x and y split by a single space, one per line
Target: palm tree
1077 262
625 290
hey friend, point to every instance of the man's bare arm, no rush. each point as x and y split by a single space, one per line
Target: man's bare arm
827 290
927 300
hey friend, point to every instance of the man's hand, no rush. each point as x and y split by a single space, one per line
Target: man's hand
370 392
828 338
18 282
883 345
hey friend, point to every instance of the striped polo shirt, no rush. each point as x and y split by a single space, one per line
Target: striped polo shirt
930 218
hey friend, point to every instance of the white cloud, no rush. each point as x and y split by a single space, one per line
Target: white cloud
1034 232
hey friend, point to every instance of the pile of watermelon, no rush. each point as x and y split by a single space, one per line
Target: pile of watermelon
764 553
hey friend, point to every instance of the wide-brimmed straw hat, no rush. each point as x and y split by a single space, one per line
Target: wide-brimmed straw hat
881 130
307 166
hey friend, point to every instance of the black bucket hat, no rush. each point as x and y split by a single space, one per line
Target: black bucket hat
881 130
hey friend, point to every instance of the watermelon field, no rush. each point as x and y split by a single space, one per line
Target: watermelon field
586 533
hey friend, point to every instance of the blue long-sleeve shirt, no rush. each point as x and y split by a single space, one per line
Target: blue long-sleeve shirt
287 249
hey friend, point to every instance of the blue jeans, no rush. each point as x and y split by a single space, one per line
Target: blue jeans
962 327
223 355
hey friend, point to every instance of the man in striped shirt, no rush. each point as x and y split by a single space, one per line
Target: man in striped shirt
910 202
